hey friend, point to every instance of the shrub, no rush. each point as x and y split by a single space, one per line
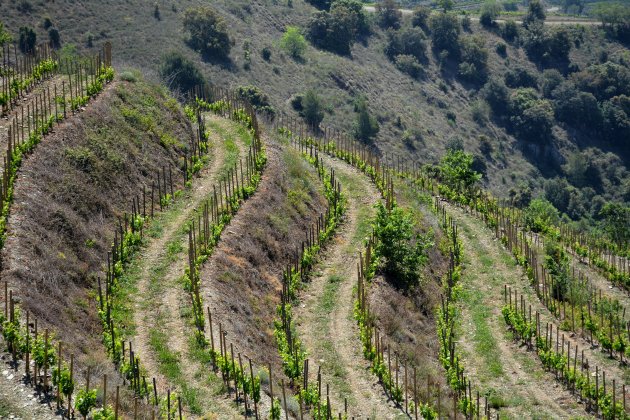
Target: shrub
510 30
388 14
540 215
312 109
5 36
474 58
257 98
366 127
408 64
521 77
402 250
180 73
54 38
293 42
207 32
456 170
25 6
501 49
445 32
480 111
28 40
497 95
531 117
535 13
409 41
551 79
336 30
266 53
156 12
420 17
490 10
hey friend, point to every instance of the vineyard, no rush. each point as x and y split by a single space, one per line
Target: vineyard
198 259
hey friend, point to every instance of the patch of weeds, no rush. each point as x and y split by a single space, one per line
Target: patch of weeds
229 277
329 298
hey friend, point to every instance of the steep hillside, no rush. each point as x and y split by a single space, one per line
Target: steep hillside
72 193
418 118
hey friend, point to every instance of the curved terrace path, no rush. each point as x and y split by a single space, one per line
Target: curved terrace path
512 377
162 317
325 319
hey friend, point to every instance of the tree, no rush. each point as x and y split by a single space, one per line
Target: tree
312 109
535 13
28 39
474 59
5 36
615 18
446 5
366 126
293 42
616 222
256 98
402 250
207 32
320 4
531 117
408 64
336 30
489 13
420 17
497 95
579 109
551 79
540 215
388 14
179 73
408 41
54 38
557 264
510 30
521 77
456 169
445 32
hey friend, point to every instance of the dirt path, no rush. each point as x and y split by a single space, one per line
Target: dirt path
162 330
325 319
513 379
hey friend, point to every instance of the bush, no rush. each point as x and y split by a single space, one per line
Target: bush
521 77
540 215
409 41
403 252
207 32
445 32
532 118
510 30
456 170
54 38
366 126
256 98
28 40
336 30
5 36
408 64
474 59
501 49
388 14
312 109
420 17
266 53
535 13
179 73
497 95
489 13
480 111
551 79
293 42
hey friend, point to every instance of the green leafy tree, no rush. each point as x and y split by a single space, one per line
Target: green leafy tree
366 126
474 59
256 98
408 64
420 17
540 215
497 95
28 40
557 264
446 5
180 73
535 13
445 31
388 14
490 11
293 42
312 109
616 222
408 41
402 250
207 32
336 30
456 170
510 30
5 36
54 38
531 117
615 18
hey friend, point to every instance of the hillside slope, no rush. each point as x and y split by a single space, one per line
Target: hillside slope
418 118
